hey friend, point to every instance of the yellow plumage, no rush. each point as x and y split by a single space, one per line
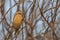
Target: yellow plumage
17 20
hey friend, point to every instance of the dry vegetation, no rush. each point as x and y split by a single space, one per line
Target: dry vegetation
46 11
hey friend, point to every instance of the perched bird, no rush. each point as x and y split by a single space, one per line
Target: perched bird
17 20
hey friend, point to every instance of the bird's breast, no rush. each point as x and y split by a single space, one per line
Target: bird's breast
17 20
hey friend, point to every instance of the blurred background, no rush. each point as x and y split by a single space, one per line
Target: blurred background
41 19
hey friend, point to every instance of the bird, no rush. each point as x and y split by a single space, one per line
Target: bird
17 20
